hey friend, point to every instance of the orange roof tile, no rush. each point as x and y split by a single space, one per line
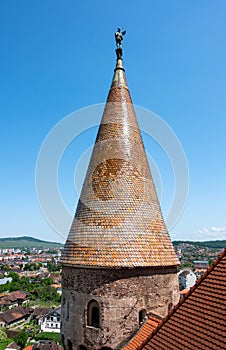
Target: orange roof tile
14 314
184 291
198 321
143 334
118 222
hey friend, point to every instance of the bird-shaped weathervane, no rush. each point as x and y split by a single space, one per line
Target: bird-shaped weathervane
118 38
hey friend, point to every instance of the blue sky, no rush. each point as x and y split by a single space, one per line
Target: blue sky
58 56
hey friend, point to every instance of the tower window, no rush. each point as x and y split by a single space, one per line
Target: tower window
67 312
170 306
62 339
142 314
69 343
93 314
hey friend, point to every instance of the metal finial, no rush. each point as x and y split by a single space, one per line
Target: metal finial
118 39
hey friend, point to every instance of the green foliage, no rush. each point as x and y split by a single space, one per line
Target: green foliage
47 304
21 338
13 285
15 277
52 251
5 343
47 293
205 244
3 335
53 267
5 267
27 242
31 267
48 336
47 281
182 266
38 288
32 328
4 287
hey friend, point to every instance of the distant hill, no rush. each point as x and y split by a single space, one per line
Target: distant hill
30 242
207 244
27 242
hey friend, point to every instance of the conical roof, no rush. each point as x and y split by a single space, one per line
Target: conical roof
118 221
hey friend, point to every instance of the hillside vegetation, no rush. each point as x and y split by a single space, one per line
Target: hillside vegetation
205 244
27 242
30 242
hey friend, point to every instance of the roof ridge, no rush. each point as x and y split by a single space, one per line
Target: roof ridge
191 290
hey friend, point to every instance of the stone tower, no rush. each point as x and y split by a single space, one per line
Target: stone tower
118 262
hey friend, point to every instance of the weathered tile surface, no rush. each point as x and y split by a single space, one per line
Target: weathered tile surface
118 221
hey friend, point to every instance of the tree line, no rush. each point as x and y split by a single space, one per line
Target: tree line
39 288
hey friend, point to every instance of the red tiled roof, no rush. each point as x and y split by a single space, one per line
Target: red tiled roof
143 334
5 301
184 291
13 296
56 285
198 321
19 294
40 311
14 314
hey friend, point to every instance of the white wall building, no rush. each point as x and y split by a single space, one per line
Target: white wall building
51 321
187 279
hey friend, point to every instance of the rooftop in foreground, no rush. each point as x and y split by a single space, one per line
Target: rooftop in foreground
198 320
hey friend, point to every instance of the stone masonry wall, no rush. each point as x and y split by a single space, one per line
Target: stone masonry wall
121 294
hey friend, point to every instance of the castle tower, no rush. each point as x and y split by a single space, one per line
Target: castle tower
118 262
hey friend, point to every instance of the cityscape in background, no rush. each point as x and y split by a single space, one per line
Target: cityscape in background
30 285
143 265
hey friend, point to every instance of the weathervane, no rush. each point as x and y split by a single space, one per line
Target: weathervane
118 38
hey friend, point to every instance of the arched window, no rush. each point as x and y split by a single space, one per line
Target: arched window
93 314
67 312
170 306
142 314
62 340
69 343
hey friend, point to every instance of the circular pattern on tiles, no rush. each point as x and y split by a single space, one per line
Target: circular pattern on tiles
70 129
117 179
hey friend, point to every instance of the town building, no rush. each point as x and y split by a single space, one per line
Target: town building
118 263
186 278
15 316
13 299
38 315
46 345
51 321
5 280
201 264
58 287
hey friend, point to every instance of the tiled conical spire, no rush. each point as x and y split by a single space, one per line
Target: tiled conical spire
118 221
